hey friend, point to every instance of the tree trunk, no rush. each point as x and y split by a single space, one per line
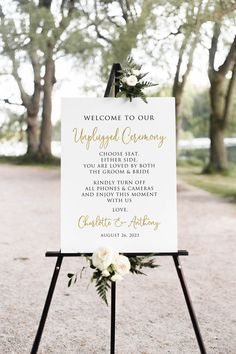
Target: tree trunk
178 98
177 93
32 120
46 127
221 95
32 134
218 153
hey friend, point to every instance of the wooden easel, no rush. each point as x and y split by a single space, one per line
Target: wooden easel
111 91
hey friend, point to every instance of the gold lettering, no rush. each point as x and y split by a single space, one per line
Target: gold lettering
99 221
127 137
142 221
88 139
84 221
118 222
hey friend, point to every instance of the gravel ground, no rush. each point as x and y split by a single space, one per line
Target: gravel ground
151 313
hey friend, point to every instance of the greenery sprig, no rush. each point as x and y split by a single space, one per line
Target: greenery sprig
138 263
109 266
131 81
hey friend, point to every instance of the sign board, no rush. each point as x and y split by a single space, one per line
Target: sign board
118 175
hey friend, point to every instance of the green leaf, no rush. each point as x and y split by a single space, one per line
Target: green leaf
120 94
70 275
141 76
137 263
103 285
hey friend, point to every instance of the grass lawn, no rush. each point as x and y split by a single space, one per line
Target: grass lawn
224 185
52 162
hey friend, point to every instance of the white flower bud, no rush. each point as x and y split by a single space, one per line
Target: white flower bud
121 264
136 72
116 277
105 273
102 258
131 80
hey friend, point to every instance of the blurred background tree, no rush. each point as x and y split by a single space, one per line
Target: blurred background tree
171 39
34 35
221 98
13 126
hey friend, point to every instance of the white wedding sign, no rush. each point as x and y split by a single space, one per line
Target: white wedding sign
118 175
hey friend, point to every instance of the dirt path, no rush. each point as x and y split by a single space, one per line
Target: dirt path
151 314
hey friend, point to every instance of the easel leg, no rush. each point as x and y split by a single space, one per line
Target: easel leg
113 317
47 305
189 305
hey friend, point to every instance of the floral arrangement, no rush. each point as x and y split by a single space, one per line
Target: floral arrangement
131 84
109 266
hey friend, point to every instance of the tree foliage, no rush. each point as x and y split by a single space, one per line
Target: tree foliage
165 35
33 36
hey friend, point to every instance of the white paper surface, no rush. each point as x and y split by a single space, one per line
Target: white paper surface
118 175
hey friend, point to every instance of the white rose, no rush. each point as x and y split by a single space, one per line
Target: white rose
124 79
131 80
121 265
136 72
105 273
116 277
102 258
